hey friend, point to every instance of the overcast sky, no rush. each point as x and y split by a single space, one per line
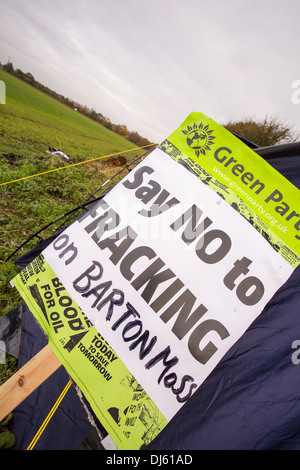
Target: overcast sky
149 63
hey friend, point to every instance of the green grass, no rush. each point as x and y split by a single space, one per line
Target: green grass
30 123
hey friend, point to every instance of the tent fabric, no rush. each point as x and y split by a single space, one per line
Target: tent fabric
250 401
69 425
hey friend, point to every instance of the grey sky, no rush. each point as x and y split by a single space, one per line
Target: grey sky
149 63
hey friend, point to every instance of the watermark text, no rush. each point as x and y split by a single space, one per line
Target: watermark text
2 352
296 93
296 353
2 92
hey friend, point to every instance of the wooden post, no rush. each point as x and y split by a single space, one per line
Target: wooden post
27 379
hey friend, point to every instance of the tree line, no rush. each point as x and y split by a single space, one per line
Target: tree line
120 129
269 131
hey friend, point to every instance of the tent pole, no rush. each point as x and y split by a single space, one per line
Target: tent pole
27 379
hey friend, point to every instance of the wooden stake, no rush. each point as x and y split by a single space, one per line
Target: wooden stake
27 379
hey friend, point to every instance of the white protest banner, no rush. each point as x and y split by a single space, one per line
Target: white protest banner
169 306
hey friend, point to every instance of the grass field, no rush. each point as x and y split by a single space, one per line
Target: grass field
30 123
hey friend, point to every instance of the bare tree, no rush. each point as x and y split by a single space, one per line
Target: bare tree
269 131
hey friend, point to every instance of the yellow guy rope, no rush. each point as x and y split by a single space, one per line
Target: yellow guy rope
51 413
74 164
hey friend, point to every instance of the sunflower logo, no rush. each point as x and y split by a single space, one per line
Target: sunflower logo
199 138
